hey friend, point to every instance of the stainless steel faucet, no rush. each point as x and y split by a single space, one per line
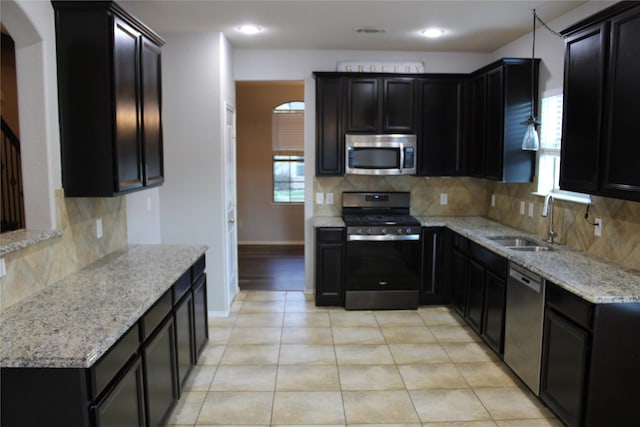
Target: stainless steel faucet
547 210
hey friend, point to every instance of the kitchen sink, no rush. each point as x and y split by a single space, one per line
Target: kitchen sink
519 243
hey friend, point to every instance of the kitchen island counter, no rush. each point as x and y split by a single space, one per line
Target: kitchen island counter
72 323
592 278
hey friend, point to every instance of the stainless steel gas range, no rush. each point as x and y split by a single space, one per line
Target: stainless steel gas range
382 251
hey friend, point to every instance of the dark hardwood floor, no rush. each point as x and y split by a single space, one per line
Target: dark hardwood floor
271 267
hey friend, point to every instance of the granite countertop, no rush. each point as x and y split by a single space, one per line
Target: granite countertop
72 323
592 278
21 239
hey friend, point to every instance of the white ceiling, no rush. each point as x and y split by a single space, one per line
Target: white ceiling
471 26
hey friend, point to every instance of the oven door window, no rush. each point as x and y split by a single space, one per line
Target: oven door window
374 158
391 265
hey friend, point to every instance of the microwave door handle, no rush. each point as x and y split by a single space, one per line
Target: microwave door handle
401 165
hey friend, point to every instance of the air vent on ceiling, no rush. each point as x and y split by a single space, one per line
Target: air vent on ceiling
370 30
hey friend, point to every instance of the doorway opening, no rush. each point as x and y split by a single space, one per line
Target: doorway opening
270 185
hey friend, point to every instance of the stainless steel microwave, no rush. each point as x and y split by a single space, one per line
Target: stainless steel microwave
393 154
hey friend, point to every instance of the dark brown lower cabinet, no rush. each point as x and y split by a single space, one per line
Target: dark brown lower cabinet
200 316
459 268
124 405
495 293
184 337
475 295
160 374
330 254
433 286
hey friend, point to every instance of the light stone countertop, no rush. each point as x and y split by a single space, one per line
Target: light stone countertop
21 239
72 323
592 278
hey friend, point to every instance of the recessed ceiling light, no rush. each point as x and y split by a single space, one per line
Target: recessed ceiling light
432 33
249 29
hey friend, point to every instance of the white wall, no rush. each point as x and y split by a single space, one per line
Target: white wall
143 217
31 24
194 75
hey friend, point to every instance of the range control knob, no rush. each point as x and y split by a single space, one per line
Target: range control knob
399 231
383 230
369 230
408 230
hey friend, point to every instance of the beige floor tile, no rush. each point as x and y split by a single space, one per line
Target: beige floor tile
303 306
418 353
260 320
363 354
437 316
307 336
462 424
307 378
307 354
345 319
307 320
251 355
437 375
448 405
387 425
393 406
469 352
200 378
188 408
453 333
255 336
266 296
488 374
246 407
407 335
308 407
223 322
370 377
244 378
276 306
219 335
211 354
299 295
398 318
551 422
357 335
510 403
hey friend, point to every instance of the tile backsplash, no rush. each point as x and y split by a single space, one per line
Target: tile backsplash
32 269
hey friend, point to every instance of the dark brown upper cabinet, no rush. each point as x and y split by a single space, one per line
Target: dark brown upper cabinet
110 97
600 146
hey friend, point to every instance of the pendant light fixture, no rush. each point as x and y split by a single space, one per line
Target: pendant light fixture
530 141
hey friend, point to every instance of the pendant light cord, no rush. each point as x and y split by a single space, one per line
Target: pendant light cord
533 55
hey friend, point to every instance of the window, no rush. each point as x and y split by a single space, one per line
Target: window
549 154
287 137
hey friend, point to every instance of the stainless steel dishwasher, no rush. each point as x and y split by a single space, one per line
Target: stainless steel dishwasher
523 325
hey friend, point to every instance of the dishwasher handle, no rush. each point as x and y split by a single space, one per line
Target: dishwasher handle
526 278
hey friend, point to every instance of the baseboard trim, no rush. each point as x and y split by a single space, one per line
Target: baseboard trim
267 243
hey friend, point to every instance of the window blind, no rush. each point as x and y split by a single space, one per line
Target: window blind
287 131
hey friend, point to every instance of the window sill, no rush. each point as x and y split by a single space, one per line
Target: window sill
583 199
287 205
13 241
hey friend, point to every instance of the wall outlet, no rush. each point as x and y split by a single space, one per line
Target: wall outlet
319 198
99 228
521 208
3 268
493 200
328 198
530 209
148 203
597 229
444 198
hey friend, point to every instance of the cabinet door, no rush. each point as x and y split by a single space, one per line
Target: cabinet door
201 316
439 150
363 108
330 266
476 139
184 337
124 404
565 358
475 295
493 156
494 303
460 267
151 83
582 110
128 153
398 105
621 177
432 288
329 138
160 374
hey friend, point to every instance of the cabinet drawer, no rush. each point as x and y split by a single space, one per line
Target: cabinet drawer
330 235
110 364
156 314
570 305
490 260
181 287
197 269
460 242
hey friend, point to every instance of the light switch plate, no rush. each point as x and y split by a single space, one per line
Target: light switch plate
444 198
597 230
493 200
99 228
3 268
521 208
319 198
531 209
328 198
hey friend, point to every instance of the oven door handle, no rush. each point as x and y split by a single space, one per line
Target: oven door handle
381 238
